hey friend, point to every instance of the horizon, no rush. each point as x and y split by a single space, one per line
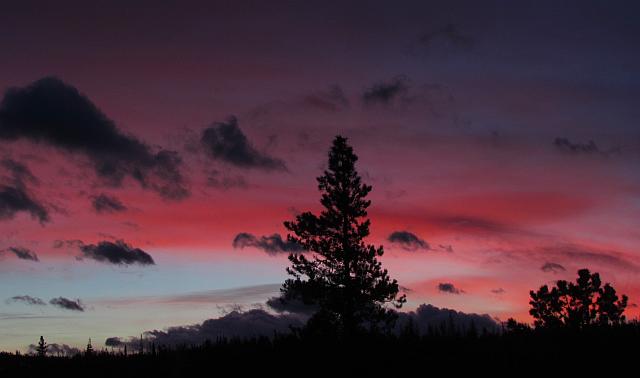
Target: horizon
152 152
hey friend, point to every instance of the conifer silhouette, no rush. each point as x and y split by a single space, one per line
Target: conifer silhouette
42 347
89 351
343 276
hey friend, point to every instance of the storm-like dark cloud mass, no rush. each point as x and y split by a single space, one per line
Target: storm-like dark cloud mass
103 203
408 241
226 142
446 287
68 304
15 196
272 244
118 253
428 318
386 92
552 267
23 253
236 324
52 112
27 299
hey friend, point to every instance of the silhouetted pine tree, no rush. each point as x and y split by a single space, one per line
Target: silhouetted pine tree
89 351
343 277
42 347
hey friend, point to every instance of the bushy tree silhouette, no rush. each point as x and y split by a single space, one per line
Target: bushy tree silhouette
577 305
343 276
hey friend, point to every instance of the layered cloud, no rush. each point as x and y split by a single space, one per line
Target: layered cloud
54 113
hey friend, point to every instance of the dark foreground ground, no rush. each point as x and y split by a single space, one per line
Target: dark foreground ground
522 353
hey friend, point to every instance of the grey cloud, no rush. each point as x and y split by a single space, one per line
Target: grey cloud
272 244
23 253
15 196
68 304
225 141
386 92
446 287
117 252
103 203
428 318
27 299
552 267
408 241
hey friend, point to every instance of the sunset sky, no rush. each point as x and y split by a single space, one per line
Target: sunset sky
137 141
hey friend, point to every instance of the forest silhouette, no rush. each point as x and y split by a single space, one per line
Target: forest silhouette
353 327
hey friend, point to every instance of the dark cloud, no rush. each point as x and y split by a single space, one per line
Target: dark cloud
27 299
293 306
386 92
498 291
117 252
23 253
67 304
272 244
226 142
446 287
114 342
331 100
552 267
236 324
103 203
589 148
52 112
20 172
427 318
449 35
54 349
15 196
408 241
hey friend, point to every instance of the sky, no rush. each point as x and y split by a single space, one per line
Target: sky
139 141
